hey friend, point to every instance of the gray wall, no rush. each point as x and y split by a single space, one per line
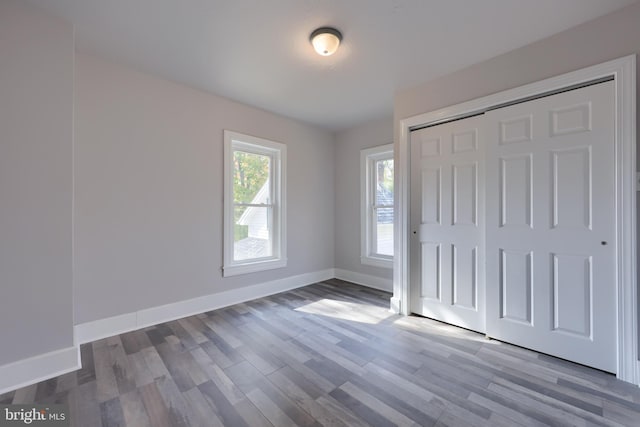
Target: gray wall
148 194
603 39
347 193
36 115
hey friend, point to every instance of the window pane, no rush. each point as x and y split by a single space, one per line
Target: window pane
251 178
252 233
384 182
384 231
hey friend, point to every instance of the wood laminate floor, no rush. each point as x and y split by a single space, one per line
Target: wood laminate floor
327 354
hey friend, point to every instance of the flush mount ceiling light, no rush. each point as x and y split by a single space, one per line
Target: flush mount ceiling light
326 40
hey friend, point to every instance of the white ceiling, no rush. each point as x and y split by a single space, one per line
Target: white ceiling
258 52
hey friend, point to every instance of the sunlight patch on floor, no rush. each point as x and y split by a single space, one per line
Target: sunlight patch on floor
345 310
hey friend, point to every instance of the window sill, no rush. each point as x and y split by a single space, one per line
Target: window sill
377 262
253 267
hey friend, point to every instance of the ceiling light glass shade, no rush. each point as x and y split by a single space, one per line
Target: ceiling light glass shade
326 40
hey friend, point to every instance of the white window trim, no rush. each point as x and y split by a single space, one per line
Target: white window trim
278 153
368 158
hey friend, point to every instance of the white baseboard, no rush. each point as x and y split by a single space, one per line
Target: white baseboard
364 280
98 329
395 305
39 368
103 328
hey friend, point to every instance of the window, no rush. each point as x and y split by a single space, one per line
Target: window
254 204
376 166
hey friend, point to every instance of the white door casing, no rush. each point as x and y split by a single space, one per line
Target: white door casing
623 73
550 239
447 223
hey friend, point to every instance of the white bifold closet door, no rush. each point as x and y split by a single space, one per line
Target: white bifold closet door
550 225
447 223
512 222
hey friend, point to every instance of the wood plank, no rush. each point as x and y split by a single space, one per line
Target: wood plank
154 405
341 412
286 405
379 406
111 413
176 365
142 375
221 346
133 410
361 411
331 371
180 412
194 326
301 398
337 354
186 340
222 407
298 382
202 414
442 396
107 385
122 369
45 389
510 409
282 349
312 376
269 409
218 376
408 404
66 382
244 375
85 406
135 341
218 357
263 361
251 414
537 402
154 362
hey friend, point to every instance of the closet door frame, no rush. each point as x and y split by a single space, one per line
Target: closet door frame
623 72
